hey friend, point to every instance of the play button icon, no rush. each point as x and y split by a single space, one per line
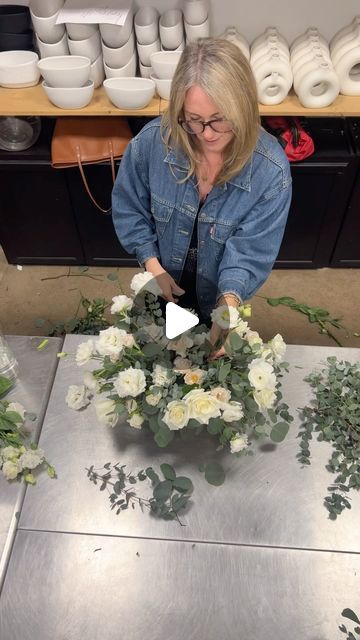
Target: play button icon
178 320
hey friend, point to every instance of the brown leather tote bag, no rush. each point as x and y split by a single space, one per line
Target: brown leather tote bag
89 140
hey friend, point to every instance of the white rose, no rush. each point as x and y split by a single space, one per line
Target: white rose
153 399
10 469
265 398
238 443
253 338
154 331
181 364
111 342
261 374
18 408
233 411
90 381
129 340
194 376
31 458
162 376
202 405
121 304
84 352
136 420
10 453
181 345
221 394
145 282
241 327
226 317
77 397
177 415
199 338
278 347
105 411
130 382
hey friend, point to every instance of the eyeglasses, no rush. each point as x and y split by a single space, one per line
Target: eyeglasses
198 126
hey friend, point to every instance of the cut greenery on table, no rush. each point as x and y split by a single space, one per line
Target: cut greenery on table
351 615
334 414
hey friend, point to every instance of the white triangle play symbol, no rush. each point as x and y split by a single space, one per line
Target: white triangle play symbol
178 320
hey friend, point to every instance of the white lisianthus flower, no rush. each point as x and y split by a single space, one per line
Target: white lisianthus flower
261 374
233 411
111 342
267 354
84 352
77 397
105 411
241 327
31 458
278 347
194 376
154 331
238 443
11 469
130 382
145 282
153 399
121 304
199 338
162 376
10 453
177 415
136 420
253 338
202 405
221 394
226 317
181 345
18 408
181 364
265 398
91 382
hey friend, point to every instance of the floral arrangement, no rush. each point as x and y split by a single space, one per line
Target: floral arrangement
172 386
18 458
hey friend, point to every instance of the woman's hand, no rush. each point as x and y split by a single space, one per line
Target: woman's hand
164 280
217 332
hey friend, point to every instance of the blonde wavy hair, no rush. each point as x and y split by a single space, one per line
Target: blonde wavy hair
224 74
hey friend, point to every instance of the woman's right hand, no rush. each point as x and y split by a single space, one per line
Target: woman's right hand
164 280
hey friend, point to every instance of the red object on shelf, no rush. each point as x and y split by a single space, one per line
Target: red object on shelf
296 142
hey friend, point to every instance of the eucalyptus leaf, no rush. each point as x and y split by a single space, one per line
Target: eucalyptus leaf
214 474
163 437
183 484
168 471
163 490
5 385
279 431
351 615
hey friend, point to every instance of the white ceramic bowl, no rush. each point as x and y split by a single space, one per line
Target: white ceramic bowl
65 71
97 73
163 86
47 29
146 24
90 47
145 71
145 51
45 8
119 56
115 36
129 93
77 31
195 31
164 63
180 48
57 49
195 11
19 69
69 97
171 28
127 71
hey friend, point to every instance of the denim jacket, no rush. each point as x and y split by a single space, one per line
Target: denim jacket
240 224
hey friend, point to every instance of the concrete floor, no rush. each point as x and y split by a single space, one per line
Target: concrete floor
46 293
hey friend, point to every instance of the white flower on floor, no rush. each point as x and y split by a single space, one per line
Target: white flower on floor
226 317
84 352
202 405
31 458
233 411
153 399
278 347
181 365
145 282
181 345
18 408
11 469
136 420
77 397
238 443
105 411
221 394
162 376
177 415
194 376
10 453
91 382
121 304
261 374
130 382
111 342
265 398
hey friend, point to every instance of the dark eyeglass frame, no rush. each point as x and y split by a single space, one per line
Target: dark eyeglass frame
208 123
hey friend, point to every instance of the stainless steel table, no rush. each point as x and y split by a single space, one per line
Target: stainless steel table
32 389
258 557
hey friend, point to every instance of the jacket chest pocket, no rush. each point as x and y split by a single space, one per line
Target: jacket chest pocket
221 232
161 213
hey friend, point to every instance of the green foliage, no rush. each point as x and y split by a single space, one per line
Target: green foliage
214 474
91 323
350 615
5 385
334 415
169 496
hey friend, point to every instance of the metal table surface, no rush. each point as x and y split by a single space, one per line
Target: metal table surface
267 499
32 390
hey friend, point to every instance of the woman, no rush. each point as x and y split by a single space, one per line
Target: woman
202 194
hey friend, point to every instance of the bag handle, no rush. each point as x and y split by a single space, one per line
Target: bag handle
111 153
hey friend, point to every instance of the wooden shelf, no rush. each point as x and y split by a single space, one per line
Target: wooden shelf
33 101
